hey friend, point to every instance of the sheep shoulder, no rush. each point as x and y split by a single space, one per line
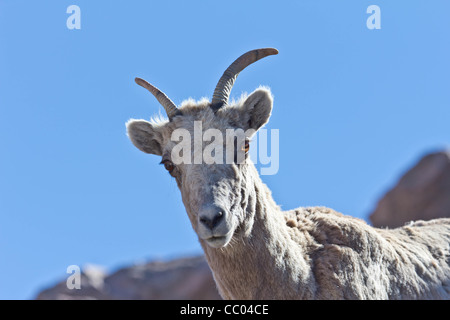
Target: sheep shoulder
352 260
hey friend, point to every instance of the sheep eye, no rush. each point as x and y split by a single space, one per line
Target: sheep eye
246 146
168 165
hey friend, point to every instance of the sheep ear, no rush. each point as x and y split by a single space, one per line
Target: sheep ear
145 136
257 109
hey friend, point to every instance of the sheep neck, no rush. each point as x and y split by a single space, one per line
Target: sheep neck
261 262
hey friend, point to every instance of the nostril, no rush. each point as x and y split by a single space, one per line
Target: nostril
211 221
217 218
204 220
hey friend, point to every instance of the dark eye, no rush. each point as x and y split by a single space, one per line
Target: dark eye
168 165
246 146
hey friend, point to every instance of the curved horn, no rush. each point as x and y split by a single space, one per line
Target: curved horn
226 82
169 106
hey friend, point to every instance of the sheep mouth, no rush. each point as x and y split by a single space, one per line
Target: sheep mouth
217 241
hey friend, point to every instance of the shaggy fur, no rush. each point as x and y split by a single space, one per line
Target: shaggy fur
259 251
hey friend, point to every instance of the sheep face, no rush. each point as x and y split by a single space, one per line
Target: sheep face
206 151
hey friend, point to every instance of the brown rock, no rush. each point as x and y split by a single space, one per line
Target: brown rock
423 193
179 279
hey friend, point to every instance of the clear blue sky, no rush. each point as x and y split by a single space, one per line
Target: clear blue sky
355 108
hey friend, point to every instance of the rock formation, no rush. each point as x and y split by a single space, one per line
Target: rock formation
422 193
179 279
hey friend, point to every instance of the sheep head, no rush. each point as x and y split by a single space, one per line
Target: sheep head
204 145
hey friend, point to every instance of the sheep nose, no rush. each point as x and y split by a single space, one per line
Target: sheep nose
211 216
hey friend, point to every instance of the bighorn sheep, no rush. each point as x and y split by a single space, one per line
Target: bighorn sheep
258 251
